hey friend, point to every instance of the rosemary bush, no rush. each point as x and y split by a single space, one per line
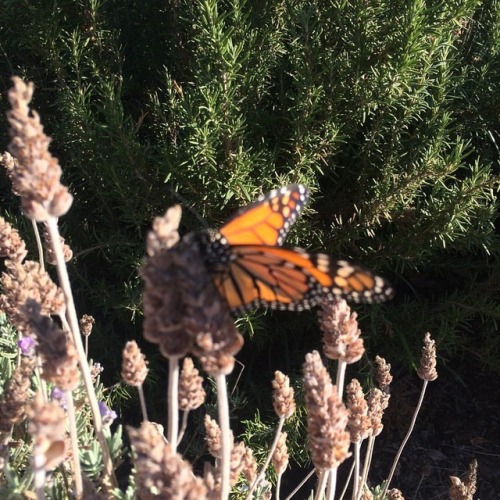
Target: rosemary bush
385 111
388 112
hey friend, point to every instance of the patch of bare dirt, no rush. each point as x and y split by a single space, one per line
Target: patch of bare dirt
459 421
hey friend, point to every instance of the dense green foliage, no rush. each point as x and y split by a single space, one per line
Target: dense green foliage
387 110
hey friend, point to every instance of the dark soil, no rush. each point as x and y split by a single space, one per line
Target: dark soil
459 422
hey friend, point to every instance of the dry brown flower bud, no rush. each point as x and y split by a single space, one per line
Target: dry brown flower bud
326 416
48 427
86 324
366 494
383 374
395 494
164 234
427 370
159 472
238 462
95 370
471 478
11 164
183 311
458 490
37 175
60 359
212 479
134 365
242 461
377 403
283 396
280 455
164 311
464 490
249 468
266 489
191 392
16 396
341 335
49 250
23 282
213 437
358 424
216 348
11 244
62 371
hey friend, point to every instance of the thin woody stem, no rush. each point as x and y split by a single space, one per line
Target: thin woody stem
341 368
173 402
405 440
278 485
367 463
38 244
64 282
332 483
331 475
268 459
39 476
304 481
357 458
226 440
342 495
185 415
77 473
143 402
323 478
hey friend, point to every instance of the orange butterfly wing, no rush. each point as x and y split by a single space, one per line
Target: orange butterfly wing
267 220
250 268
280 278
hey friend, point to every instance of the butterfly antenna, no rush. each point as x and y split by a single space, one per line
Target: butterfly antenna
185 205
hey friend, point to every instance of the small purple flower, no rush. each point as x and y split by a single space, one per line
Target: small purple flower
107 415
59 395
27 346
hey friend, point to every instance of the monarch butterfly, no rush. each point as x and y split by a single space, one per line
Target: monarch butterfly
250 268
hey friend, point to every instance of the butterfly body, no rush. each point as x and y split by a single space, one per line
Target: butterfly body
250 268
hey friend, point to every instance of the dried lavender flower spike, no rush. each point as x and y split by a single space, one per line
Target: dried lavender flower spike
213 436
159 472
60 359
341 336
86 324
395 494
383 373
49 250
37 174
15 397
164 234
464 490
134 365
326 416
22 282
191 392
358 423
427 370
280 455
12 245
376 407
47 425
283 396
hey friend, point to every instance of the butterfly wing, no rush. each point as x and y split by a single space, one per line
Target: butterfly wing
280 278
267 220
